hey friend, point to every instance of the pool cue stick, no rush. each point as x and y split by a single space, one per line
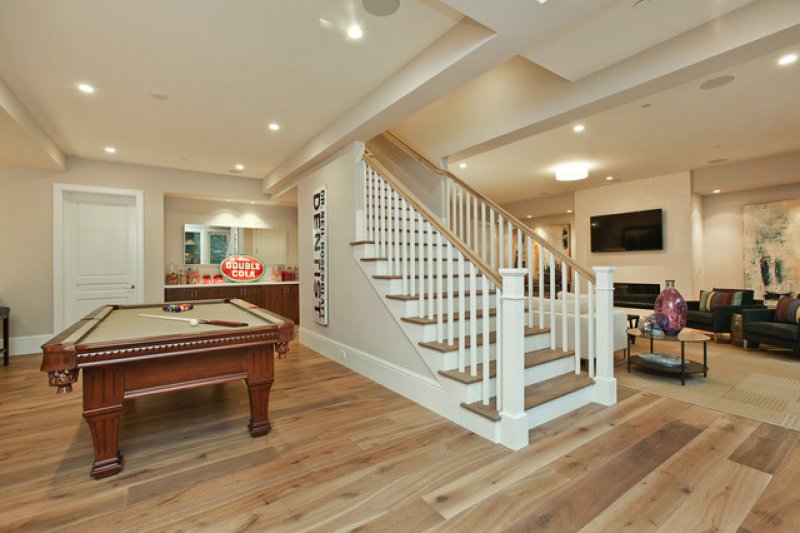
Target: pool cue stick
196 321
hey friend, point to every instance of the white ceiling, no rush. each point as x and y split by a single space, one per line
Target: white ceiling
228 67
498 84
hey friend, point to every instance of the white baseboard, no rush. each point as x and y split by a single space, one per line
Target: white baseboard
423 390
28 345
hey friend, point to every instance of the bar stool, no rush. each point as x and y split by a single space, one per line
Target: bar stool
4 312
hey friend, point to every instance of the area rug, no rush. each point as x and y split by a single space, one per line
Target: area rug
762 385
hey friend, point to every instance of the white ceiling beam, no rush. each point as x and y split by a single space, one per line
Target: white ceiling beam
23 142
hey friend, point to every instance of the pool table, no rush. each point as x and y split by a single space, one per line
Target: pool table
124 355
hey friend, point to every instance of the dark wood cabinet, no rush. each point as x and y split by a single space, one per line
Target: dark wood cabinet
283 299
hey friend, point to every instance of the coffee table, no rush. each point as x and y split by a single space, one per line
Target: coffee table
682 368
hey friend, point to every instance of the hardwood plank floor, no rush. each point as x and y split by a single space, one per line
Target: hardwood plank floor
348 455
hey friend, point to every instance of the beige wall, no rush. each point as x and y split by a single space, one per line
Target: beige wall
723 228
673 194
180 211
358 317
26 204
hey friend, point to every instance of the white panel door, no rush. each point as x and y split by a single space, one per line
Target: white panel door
101 246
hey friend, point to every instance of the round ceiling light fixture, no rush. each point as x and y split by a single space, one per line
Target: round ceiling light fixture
354 32
716 83
788 59
572 171
381 8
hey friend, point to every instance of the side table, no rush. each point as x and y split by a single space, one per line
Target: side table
737 337
4 312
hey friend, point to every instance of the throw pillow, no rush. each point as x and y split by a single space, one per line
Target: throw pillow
727 298
705 300
788 310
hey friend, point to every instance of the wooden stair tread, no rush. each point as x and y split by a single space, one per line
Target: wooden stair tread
422 320
426 259
534 358
444 347
536 394
417 276
361 243
409 297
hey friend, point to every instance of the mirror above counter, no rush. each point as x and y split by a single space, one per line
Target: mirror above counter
209 245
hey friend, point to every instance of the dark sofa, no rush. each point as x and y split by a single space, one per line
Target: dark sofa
718 320
758 326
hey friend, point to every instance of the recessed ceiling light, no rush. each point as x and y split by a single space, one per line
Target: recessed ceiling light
609 178
529 216
227 199
110 150
354 32
578 128
716 191
239 166
85 88
569 210
274 126
541 1
788 59
717 161
462 165
716 83
572 171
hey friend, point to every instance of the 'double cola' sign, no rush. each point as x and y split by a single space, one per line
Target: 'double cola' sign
241 268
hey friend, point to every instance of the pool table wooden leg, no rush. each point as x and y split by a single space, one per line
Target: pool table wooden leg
260 375
103 390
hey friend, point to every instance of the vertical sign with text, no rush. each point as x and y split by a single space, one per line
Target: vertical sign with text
319 255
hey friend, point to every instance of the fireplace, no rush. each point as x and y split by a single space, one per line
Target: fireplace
636 295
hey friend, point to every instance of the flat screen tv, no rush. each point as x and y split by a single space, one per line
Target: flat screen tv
628 232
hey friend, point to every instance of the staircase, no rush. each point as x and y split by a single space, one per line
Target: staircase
465 291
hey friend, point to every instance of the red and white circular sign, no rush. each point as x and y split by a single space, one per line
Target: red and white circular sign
241 268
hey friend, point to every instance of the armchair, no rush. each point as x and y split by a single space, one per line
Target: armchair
758 325
718 319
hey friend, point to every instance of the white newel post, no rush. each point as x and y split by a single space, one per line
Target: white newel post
511 374
605 382
361 192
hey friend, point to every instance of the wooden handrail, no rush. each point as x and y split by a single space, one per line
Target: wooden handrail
415 202
518 224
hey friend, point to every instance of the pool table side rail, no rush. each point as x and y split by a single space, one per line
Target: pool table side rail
64 355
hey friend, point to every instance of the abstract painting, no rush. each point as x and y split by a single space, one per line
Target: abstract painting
771 244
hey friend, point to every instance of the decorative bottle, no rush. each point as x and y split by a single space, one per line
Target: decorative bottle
670 309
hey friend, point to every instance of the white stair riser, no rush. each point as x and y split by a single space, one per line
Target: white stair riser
533 375
532 342
560 406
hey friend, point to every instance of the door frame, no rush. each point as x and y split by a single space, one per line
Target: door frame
60 191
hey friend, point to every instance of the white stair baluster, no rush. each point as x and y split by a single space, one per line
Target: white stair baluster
492 239
510 245
412 263
431 279
475 240
462 318
403 244
473 322
483 231
396 233
448 203
591 339
467 223
519 248
486 359
421 224
450 316
576 287
500 241
530 280
540 298
553 302
390 231
440 292
564 317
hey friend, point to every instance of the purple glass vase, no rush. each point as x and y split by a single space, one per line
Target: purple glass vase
670 309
